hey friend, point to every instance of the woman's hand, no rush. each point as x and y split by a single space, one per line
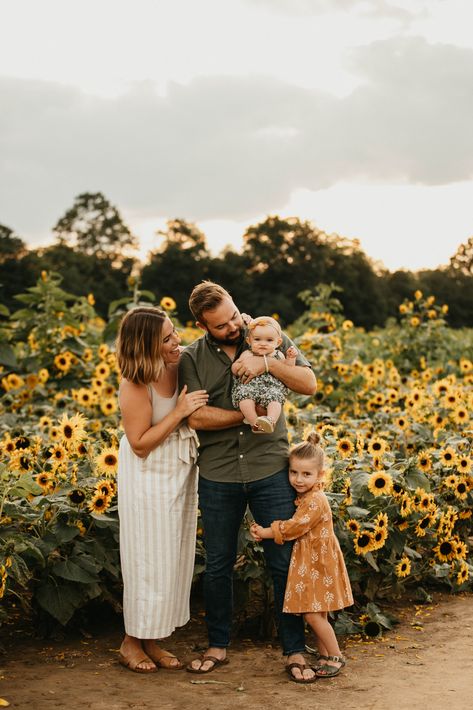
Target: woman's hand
187 403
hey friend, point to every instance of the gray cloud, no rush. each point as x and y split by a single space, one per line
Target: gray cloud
232 147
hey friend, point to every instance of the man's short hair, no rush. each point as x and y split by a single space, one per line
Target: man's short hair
205 297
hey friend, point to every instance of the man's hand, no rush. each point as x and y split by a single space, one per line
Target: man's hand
248 367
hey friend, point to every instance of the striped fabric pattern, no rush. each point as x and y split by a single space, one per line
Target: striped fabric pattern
157 506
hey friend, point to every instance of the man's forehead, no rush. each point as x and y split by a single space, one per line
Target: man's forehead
220 315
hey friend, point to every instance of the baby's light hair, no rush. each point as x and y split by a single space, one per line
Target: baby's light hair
310 449
265 320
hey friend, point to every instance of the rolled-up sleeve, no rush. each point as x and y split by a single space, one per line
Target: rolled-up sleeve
301 522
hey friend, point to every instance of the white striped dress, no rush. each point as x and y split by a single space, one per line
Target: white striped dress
157 507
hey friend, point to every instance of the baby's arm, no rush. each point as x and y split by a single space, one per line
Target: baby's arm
291 355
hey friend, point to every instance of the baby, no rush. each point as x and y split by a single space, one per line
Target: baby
264 337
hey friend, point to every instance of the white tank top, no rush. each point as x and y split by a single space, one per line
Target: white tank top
161 406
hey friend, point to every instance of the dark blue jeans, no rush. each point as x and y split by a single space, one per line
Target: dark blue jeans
222 507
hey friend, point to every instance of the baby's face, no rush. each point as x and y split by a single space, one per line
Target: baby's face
263 340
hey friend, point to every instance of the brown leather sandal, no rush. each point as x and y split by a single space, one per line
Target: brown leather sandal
163 659
216 662
133 663
302 667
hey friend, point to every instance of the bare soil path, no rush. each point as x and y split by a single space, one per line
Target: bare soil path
425 662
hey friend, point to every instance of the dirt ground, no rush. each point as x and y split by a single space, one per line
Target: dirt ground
425 662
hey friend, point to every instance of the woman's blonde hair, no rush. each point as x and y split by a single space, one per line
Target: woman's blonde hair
310 449
139 344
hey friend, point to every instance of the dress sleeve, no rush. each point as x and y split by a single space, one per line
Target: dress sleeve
303 520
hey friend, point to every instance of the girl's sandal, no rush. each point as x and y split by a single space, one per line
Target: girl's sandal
327 671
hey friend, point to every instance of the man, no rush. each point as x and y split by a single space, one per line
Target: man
239 468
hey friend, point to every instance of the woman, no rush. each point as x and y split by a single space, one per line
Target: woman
157 480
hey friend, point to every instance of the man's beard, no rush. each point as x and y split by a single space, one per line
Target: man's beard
236 340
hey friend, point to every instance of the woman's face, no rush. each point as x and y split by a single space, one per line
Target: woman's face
170 346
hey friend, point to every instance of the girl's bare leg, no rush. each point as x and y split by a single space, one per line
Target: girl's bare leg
322 628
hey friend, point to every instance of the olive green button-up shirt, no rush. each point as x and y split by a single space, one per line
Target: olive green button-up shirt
233 455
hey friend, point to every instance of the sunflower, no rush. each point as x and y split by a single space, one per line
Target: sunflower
85 397
345 447
424 461
58 454
463 574
426 502
72 429
107 461
80 525
45 480
106 487
461 549
402 422
54 433
464 464
381 521
77 496
363 542
437 421
423 524
103 351
108 406
448 457
445 550
353 525
45 422
99 503
379 538
81 449
398 490
461 489
168 303
460 415
87 355
63 361
403 567
405 505
380 483
465 364
102 370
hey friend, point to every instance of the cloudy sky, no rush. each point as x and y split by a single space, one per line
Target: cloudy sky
355 114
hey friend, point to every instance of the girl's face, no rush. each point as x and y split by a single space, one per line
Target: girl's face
170 345
303 474
263 340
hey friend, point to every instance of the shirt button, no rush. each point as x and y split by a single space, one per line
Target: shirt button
241 433
241 456
218 350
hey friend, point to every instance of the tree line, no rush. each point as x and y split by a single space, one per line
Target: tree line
94 249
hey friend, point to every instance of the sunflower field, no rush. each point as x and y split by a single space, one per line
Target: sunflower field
393 407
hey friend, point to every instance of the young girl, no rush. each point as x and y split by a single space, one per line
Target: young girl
317 581
264 337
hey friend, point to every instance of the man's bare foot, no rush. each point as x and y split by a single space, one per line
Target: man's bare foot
306 674
214 657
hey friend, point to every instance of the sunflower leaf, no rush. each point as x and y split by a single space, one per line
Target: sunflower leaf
60 601
73 572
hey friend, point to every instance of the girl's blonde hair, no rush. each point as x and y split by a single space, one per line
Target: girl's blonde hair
139 344
310 449
263 321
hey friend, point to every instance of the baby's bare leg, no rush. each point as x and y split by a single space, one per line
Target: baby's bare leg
274 411
248 409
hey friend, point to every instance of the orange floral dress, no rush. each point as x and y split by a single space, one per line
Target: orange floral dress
317 578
